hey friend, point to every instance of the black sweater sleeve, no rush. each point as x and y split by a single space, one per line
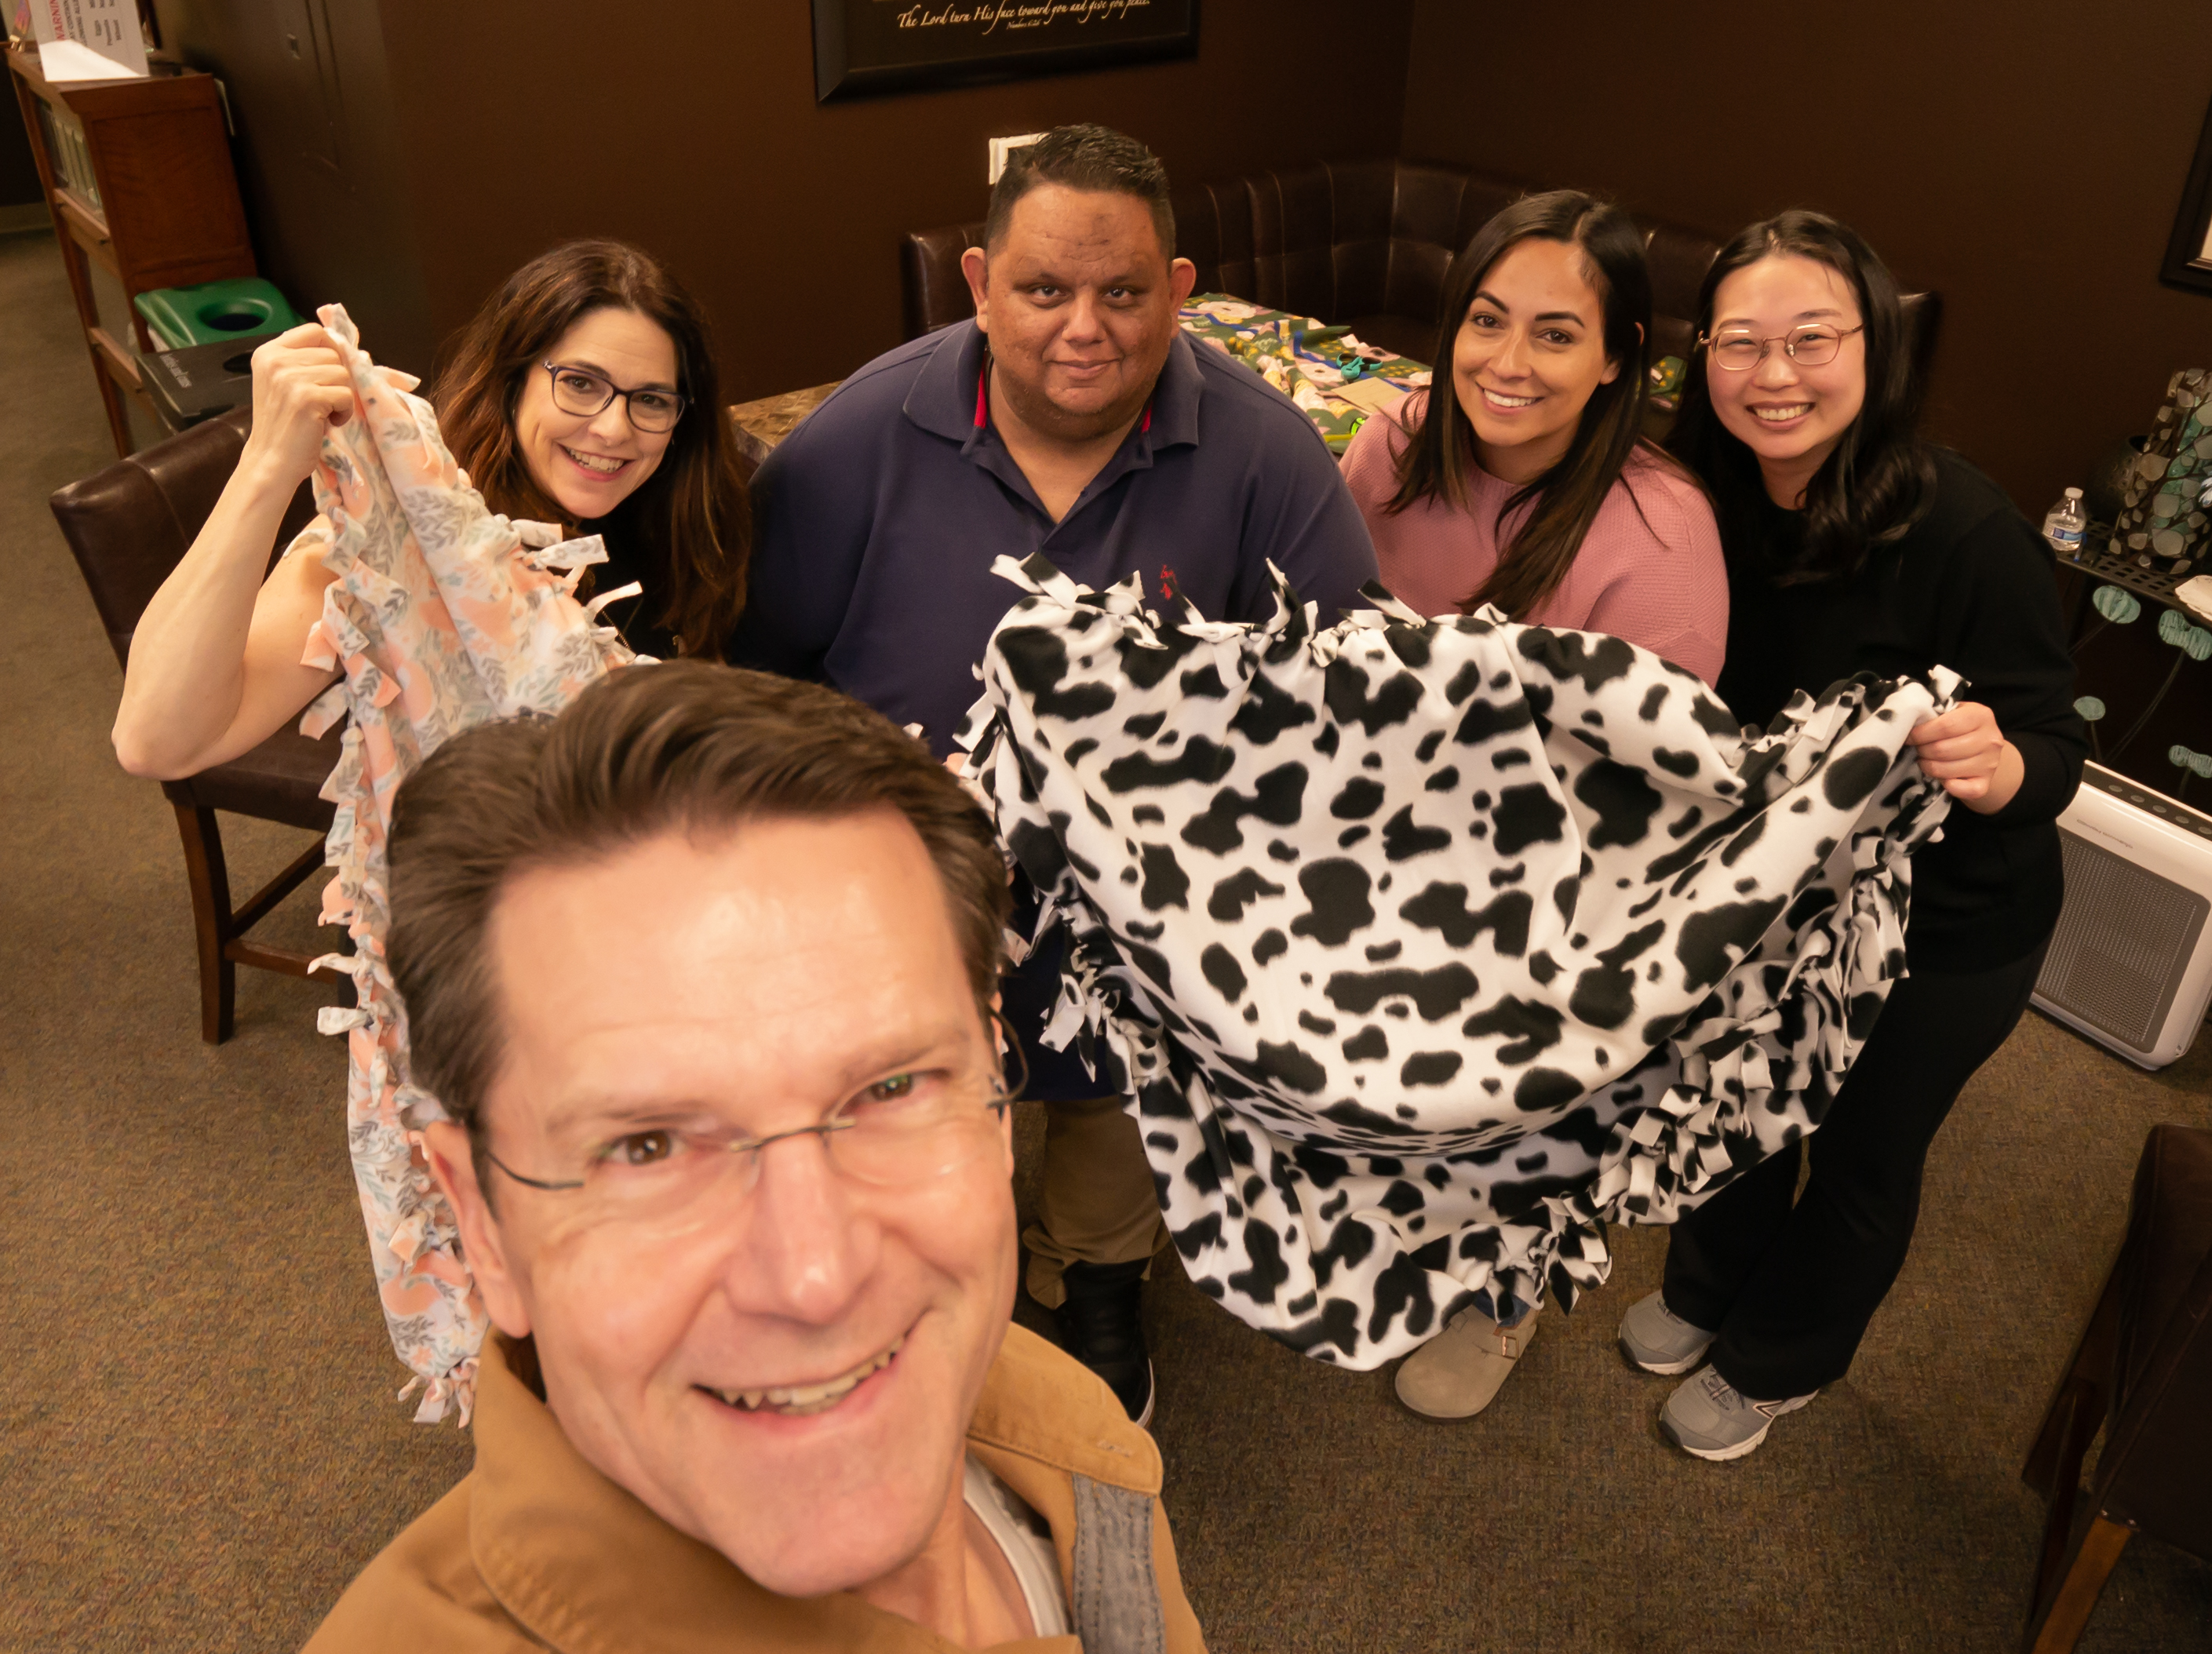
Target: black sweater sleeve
1971 587
1997 623
1977 585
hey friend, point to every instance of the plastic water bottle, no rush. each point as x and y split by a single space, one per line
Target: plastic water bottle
2066 524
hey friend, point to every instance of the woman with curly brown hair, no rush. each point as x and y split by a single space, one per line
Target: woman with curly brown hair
583 392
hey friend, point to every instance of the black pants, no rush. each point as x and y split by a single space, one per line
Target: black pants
1790 1288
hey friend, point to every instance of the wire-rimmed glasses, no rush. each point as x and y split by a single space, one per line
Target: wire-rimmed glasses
905 1130
1809 344
581 391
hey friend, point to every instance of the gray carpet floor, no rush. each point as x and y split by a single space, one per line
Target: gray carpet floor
199 1444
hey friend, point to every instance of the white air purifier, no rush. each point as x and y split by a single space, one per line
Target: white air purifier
2130 964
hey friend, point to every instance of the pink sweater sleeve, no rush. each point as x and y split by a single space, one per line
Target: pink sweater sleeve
1671 596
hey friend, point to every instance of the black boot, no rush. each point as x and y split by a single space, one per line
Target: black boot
1103 1332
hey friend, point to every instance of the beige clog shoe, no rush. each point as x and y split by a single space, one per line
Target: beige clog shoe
1456 1373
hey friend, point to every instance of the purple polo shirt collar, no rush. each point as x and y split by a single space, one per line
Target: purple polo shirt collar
944 403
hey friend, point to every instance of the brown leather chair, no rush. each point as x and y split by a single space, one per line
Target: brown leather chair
1366 244
129 525
2143 1373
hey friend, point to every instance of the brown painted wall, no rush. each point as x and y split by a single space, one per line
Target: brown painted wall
2025 157
317 155
698 137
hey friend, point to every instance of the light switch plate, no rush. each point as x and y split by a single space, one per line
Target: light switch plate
1001 146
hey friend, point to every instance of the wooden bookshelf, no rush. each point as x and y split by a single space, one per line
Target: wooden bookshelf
138 179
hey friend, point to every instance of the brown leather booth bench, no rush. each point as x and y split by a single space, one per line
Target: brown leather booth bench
1366 244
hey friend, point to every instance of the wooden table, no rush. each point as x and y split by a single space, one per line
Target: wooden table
759 426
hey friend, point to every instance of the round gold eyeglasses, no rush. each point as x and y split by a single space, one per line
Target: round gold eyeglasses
1813 344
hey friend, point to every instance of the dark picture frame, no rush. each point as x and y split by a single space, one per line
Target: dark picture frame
2188 254
863 48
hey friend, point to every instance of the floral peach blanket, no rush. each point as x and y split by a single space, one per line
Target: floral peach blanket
444 615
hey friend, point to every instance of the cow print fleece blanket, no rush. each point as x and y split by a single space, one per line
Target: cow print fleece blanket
1425 949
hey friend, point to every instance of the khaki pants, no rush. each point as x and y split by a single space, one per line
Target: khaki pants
1097 1204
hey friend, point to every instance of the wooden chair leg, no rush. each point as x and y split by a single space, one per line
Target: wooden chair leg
209 879
2053 1470
2055 1628
2074 1419
2054 1463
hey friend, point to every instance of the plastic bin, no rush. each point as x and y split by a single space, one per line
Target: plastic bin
245 307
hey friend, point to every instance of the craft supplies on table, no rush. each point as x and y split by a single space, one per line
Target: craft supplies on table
1335 380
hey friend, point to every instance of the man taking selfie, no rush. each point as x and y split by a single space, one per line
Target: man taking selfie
704 973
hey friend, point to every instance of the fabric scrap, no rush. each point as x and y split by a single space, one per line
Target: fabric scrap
443 616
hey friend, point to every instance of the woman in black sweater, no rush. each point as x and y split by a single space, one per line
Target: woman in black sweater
1852 546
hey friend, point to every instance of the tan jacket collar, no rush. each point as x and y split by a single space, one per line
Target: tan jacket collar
587 1568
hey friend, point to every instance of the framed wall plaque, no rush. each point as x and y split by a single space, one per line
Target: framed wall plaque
862 47
2189 254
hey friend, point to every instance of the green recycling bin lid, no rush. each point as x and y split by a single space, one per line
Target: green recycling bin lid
245 307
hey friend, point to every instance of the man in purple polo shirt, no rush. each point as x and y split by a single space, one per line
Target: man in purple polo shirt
1071 417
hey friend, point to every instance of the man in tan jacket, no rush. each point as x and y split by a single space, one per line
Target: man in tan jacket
704 973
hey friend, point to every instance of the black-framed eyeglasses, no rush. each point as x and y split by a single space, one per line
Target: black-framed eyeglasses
896 1133
586 394
1811 345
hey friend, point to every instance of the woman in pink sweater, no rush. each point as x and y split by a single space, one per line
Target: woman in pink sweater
1533 492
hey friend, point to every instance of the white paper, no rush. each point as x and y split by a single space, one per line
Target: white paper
60 60
89 39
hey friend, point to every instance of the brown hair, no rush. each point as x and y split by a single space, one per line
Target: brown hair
693 520
1567 497
1093 158
686 746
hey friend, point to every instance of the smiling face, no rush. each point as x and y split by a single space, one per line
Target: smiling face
786 1374
1078 300
1527 356
589 464
1790 416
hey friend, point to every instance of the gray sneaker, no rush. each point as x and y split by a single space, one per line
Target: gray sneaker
1708 1418
1656 1339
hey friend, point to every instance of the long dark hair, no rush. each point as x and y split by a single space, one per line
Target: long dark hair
1879 478
1568 496
691 517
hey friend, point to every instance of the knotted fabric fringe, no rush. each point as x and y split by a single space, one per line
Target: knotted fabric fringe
1424 949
